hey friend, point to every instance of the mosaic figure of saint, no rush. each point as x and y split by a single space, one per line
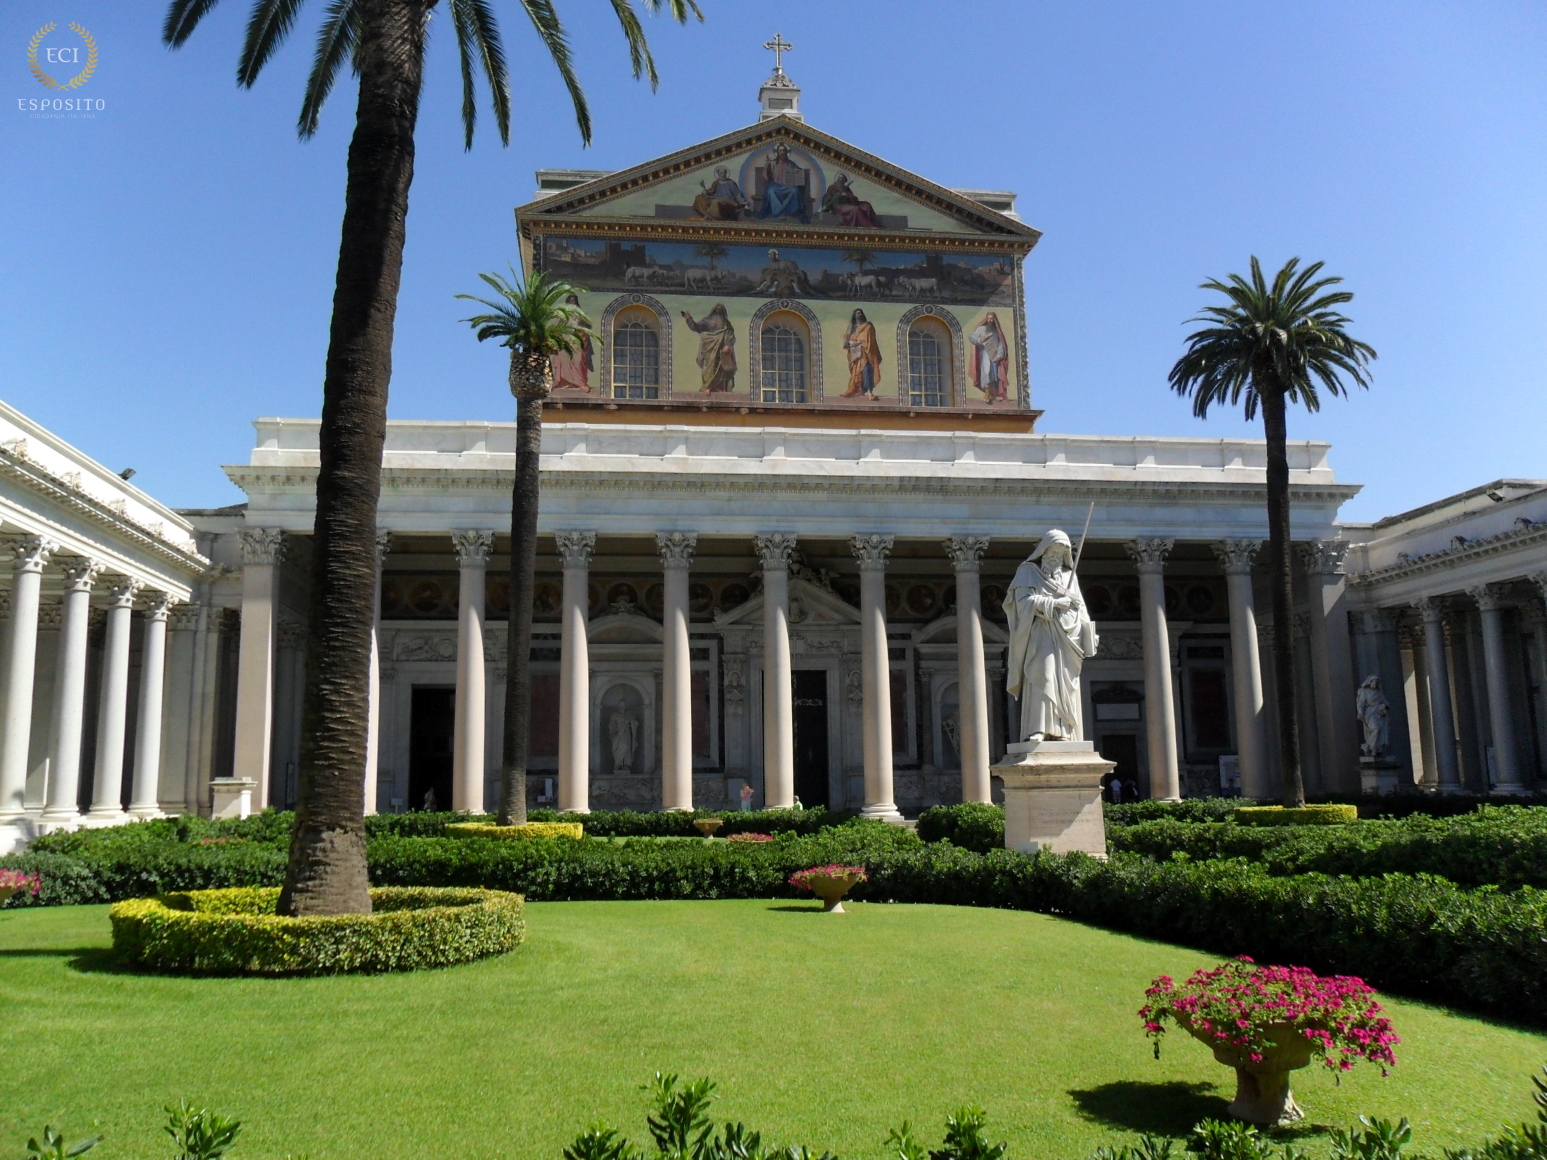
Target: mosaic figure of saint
989 369
784 188
716 350
1051 636
721 200
864 352
841 199
573 371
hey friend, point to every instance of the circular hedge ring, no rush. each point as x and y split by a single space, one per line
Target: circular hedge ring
236 932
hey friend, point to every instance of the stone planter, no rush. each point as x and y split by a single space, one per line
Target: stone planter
6 892
831 888
1262 1094
707 826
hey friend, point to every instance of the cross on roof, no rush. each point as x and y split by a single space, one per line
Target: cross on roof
778 46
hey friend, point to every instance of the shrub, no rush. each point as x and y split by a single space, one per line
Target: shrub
528 831
1495 846
972 826
1323 815
1186 810
237 932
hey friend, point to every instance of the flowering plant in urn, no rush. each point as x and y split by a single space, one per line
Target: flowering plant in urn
829 883
1268 1021
14 882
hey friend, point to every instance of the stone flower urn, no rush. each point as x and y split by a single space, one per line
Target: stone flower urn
707 826
6 892
1262 1094
831 888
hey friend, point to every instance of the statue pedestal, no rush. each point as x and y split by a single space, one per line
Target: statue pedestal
1378 775
231 797
1052 797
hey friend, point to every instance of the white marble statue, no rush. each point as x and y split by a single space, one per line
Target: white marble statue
1374 717
623 732
1051 635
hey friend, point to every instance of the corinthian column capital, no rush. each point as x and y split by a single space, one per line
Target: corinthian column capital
262 545
1150 554
1237 555
576 548
1323 557
676 548
472 547
872 551
775 550
966 552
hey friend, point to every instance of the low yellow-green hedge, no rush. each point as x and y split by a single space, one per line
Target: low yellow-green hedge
236 932
1322 815
574 830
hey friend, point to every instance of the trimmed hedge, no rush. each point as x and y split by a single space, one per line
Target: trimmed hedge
530 830
1332 814
1503 846
237 932
971 825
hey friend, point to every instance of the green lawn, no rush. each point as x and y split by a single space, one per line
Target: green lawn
823 1030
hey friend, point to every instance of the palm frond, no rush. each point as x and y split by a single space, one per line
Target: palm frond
1284 336
546 21
478 35
639 56
267 27
336 41
529 316
680 9
459 24
183 17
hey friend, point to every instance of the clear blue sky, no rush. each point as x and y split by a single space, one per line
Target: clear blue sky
166 269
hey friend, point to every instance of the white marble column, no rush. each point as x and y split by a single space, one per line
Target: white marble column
1441 713
1149 556
30 555
778 698
676 549
1501 718
966 552
469 740
64 765
1332 666
373 723
876 669
262 550
1246 667
145 789
107 782
576 550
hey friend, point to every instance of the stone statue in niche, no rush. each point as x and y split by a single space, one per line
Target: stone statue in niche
1374 718
1051 636
623 733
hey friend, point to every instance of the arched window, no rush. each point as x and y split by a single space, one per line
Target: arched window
785 370
929 363
636 355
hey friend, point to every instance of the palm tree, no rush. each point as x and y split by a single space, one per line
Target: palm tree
384 43
711 252
1269 346
535 320
861 260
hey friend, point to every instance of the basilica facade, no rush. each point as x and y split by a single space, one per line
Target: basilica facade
785 483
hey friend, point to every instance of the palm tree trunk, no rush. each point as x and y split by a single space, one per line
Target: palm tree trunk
523 563
327 872
1276 430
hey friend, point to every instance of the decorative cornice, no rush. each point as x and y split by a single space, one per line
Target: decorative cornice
1237 555
676 549
65 490
576 548
1461 550
966 552
872 550
472 547
1149 555
775 549
1323 557
262 546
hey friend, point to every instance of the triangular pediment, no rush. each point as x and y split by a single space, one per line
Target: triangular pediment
810 606
667 191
